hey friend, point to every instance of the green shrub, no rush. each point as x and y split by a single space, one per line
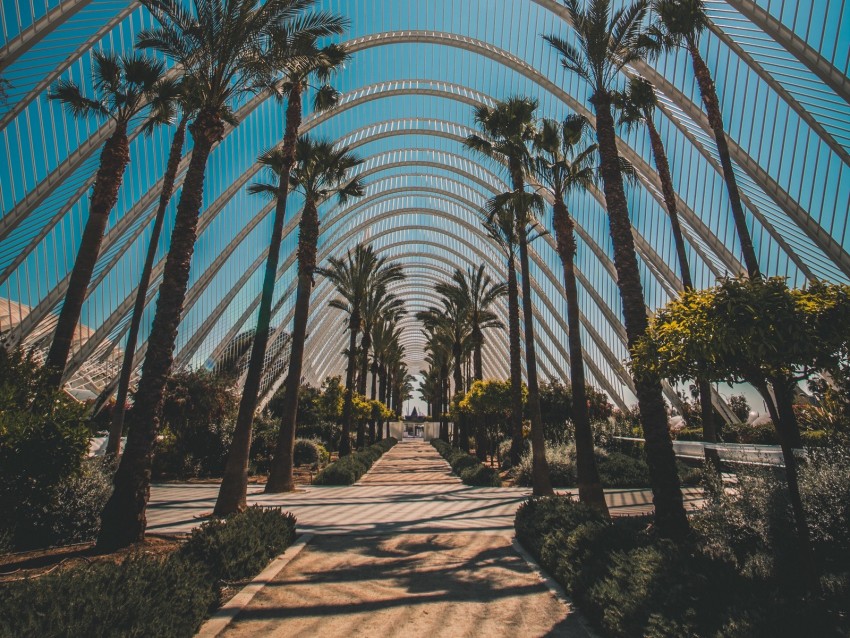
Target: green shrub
620 470
310 452
736 575
198 416
141 596
688 434
815 438
481 476
237 547
762 434
467 467
43 441
74 514
349 469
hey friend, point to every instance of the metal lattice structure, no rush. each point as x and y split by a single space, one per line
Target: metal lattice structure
418 69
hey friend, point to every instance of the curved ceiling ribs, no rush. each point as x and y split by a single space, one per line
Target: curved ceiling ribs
458 197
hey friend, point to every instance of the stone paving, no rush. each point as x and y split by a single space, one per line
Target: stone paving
408 551
410 488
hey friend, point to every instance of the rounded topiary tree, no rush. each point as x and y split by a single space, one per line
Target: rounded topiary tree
758 331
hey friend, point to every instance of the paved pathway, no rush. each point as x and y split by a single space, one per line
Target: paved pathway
410 488
408 551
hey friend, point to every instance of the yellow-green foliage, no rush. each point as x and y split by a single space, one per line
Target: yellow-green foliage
489 397
748 330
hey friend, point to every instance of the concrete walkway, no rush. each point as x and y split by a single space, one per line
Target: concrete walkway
408 551
411 488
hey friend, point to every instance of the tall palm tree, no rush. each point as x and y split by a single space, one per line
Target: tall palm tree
451 323
563 167
321 172
438 346
219 44
378 304
509 128
637 106
354 276
499 224
680 24
478 293
122 87
296 52
186 100
385 346
606 42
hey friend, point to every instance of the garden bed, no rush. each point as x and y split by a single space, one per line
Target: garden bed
348 469
160 588
738 574
467 467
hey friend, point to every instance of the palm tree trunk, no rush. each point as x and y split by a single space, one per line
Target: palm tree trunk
589 486
382 390
123 519
541 486
113 445
715 120
670 516
373 434
709 430
516 365
114 159
785 422
477 359
365 345
348 404
281 478
234 483
663 167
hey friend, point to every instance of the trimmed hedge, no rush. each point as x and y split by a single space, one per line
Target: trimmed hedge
348 469
468 468
732 577
240 546
147 595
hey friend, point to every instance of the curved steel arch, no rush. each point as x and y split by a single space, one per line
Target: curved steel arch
796 46
615 365
648 175
769 186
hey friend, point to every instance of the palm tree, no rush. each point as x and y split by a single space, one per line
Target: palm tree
295 51
563 167
509 128
438 346
680 24
499 224
478 293
354 276
379 304
607 42
321 172
451 323
219 46
637 106
385 346
187 101
123 86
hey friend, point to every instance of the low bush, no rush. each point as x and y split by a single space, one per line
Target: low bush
73 516
146 595
481 476
44 438
737 574
310 452
467 467
349 469
616 469
238 547
141 596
